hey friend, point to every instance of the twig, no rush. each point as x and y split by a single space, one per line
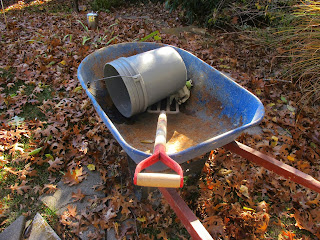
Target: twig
4 15
277 80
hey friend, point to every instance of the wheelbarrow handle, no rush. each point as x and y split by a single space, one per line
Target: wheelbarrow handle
161 133
159 154
158 180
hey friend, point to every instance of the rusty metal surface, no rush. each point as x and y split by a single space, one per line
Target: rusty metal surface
274 165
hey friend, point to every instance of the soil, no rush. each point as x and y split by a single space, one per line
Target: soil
183 131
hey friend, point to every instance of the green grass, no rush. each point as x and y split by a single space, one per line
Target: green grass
49 215
29 111
26 203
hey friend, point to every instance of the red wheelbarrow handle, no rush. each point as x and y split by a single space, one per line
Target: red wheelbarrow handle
159 154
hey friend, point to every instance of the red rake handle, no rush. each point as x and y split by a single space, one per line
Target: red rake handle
159 154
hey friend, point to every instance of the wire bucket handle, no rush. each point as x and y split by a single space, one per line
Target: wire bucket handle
159 154
115 76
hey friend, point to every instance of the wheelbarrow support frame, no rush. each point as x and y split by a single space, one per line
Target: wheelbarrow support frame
190 221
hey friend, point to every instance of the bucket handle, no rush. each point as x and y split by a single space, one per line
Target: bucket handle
115 76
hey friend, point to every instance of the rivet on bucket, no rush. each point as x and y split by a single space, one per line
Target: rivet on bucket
144 79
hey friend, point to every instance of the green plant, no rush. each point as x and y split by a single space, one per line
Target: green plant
101 41
66 36
85 39
106 4
84 26
232 12
112 39
155 35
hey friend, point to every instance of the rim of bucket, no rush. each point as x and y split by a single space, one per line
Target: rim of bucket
131 98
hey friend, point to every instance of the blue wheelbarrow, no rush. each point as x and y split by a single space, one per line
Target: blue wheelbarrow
216 113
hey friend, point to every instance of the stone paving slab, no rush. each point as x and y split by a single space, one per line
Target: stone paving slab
41 230
111 234
60 199
255 130
14 230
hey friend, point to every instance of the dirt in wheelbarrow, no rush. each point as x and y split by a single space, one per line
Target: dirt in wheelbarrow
183 131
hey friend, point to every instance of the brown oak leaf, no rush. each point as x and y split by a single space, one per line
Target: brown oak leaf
74 176
78 196
49 188
20 188
72 210
55 164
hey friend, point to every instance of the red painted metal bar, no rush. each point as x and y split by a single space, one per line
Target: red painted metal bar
274 165
195 228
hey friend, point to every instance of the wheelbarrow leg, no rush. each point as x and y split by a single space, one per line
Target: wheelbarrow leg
196 230
274 165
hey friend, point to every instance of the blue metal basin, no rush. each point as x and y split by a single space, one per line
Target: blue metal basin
218 111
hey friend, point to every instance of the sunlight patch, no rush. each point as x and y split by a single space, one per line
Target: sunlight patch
21 5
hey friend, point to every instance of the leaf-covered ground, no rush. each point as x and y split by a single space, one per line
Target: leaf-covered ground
50 131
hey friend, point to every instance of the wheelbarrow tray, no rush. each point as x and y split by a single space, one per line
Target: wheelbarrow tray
217 112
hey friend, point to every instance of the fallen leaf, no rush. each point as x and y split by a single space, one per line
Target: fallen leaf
73 176
50 188
274 141
49 156
20 188
291 109
283 99
55 165
63 62
36 151
291 158
248 209
2 209
287 235
17 147
77 89
162 235
72 210
224 172
244 191
110 214
78 196
141 219
258 91
91 167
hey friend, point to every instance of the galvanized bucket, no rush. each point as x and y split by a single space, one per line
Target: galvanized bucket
144 79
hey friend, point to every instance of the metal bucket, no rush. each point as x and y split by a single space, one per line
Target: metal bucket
144 79
92 19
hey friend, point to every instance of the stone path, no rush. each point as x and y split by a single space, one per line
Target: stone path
41 230
60 199
15 230
58 202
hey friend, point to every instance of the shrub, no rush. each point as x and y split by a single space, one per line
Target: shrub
302 43
106 4
232 12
